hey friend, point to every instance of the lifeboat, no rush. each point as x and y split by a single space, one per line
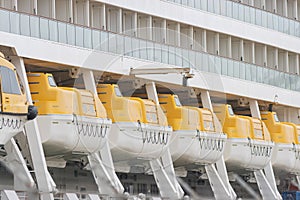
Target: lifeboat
14 109
249 145
139 127
195 139
286 157
72 122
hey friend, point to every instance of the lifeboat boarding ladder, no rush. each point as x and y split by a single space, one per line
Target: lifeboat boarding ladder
141 136
286 158
75 127
249 147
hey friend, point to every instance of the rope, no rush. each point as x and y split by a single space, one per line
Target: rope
90 129
258 150
152 136
297 152
210 143
11 123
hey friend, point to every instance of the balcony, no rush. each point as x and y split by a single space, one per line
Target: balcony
99 40
245 13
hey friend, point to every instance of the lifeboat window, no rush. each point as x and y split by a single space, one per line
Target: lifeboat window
10 84
177 102
231 113
118 92
276 118
51 81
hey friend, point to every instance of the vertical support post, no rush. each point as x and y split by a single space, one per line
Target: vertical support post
205 98
151 92
44 182
74 8
265 55
286 61
204 41
53 14
229 47
217 43
14 160
295 5
263 4
120 20
276 58
135 24
298 181
219 176
242 55
254 108
164 30
103 16
15 5
102 166
285 8
71 17
274 6
149 25
178 31
191 37
35 7
87 12
253 52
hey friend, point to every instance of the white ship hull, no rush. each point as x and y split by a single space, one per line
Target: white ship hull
10 125
65 134
245 154
134 141
193 147
286 159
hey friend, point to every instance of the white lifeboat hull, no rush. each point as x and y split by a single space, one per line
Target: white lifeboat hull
69 134
286 158
135 141
246 154
194 147
10 125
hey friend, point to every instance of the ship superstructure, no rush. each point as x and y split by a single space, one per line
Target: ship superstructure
163 98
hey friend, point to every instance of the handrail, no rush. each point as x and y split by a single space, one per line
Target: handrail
100 40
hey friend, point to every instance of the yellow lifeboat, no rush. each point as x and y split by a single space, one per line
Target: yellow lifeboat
195 139
14 109
139 126
286 157
71 121
249 144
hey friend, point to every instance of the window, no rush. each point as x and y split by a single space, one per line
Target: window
118 92
9 81
276 118
231 113
177 102
51 81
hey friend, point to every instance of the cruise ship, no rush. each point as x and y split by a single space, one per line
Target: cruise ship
149 99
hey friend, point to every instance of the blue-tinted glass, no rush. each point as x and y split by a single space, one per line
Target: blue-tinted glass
87 38
4 16
79 36
24 22
96 38
53 32
44 28
62 32
71 34
14 22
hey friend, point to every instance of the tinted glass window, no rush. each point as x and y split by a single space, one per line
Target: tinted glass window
51 81
230 111
177 102
276 118
9 81
118 92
